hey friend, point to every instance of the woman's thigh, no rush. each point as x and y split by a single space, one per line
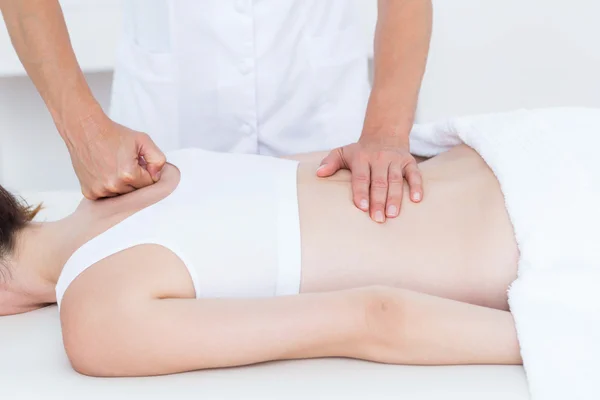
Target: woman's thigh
458 243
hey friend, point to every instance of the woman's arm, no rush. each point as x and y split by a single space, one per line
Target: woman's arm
139 329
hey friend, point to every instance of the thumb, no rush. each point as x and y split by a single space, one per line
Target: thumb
331 164
154 157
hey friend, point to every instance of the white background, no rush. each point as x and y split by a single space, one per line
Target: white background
486 55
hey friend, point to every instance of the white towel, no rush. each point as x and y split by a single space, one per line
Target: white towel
548 164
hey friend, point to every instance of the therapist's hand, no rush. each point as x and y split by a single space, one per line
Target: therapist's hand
110 159
378 173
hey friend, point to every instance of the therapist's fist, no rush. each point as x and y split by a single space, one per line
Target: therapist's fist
378 174
110 159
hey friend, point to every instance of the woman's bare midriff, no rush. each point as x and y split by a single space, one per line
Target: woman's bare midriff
457 243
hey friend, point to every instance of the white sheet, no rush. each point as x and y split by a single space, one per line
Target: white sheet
548 166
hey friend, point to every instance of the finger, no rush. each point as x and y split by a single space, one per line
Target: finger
98 192
331 164
395 190
89 194
415 182
361 181
123 190
114 187
155 159
136 177
379 190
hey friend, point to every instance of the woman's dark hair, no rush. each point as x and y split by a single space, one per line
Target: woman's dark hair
14 215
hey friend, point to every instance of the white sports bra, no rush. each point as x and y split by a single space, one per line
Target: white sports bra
232 220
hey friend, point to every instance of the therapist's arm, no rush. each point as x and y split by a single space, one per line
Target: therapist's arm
381 159
105 155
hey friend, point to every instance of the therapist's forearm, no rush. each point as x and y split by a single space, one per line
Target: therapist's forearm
402 40
39 35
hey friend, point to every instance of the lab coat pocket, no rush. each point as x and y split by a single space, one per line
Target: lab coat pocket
337 49
144 94
339 83
150 24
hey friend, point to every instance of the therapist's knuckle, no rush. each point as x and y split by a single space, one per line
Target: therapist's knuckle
382 155
414 176
393 200
359 196
413 168
378 203
127 177
361 178
88 193
110 186
415 180
98 192
379 183
395 176
363 157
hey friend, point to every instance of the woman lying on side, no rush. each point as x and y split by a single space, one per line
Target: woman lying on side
271 263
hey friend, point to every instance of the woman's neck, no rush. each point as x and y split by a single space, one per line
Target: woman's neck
41 251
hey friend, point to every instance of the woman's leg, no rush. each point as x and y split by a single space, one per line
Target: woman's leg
155 337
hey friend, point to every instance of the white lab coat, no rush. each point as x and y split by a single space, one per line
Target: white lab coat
270 77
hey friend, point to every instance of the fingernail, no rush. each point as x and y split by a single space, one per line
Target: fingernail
321 167
392 211
417 196
378 216
158 174
364 204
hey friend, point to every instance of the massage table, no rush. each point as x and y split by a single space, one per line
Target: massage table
33 365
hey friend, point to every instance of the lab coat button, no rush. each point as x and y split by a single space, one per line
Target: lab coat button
246 66
247 129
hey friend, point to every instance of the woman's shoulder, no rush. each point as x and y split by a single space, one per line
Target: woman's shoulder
130 203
